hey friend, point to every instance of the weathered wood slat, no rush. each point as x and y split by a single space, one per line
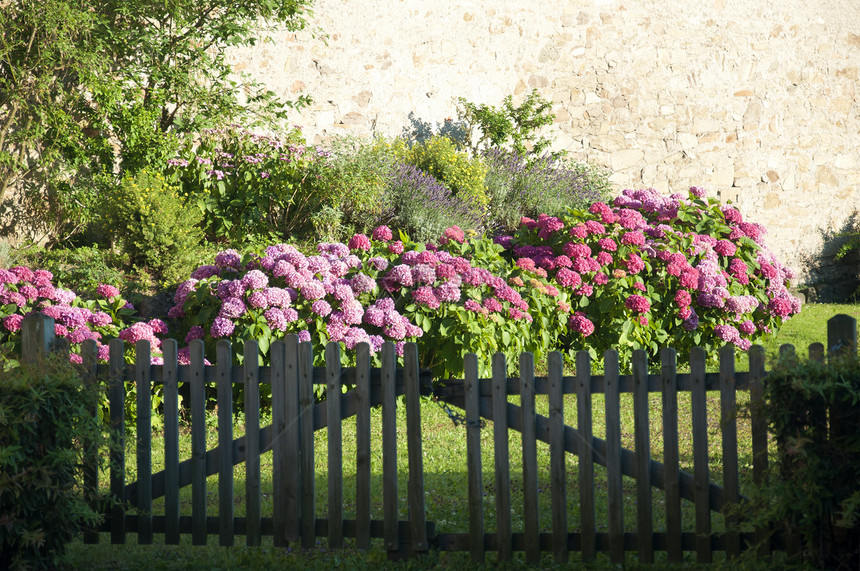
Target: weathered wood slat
335 450
116 398
729 430
586 456
558 472
615 507
291 436
281 466
224 357
197 391
530 466
415 487
89 356
390 506
502 464
143 449
699 414
362 446
642 439
473 459
306 435
253 513
758 428
169 349
671 455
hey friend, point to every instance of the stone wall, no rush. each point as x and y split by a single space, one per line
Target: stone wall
756 100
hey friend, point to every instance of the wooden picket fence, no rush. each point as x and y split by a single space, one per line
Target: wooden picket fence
296 417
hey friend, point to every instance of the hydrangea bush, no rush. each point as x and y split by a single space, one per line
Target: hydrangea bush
651 271
451 299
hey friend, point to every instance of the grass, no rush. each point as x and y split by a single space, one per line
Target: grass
444 447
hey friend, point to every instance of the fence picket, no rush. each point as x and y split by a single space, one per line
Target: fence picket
281 466
224 391
415 486
197 389
89 357
729 430
558 472
362 445
758 427
500 443
306 435
335 452
671 467
251 362
699 412
143 449
390 508
641 429
171 441
529 446
116 398
587 541
615 507
473 457
291 437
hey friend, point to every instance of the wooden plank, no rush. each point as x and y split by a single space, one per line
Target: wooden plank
37 337
143 386
588 526
292 480
415 486
224 362
251 363
701 476
758 428
89 355
197 395
473 459
642 441
306 435
170 390
335 450
671 456
615 506
531 521
281 467
390 507
557 457
729 427
116 398
362 446
500 443
793 543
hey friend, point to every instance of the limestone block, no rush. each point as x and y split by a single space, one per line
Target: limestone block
627 158
823 175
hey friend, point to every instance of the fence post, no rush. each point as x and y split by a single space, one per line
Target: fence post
37 337
841 335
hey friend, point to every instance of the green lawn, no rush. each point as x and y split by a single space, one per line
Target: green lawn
444 447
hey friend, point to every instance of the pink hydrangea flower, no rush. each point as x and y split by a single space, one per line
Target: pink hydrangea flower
579 323
359 242
725 248
228 259
382 233
637 303
13 322
454 233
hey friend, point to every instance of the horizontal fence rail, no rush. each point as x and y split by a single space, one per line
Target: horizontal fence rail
296 416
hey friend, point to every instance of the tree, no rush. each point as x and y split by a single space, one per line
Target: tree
92 89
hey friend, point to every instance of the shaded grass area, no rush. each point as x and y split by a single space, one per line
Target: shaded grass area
445 478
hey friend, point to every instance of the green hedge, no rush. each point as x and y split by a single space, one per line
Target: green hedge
45 415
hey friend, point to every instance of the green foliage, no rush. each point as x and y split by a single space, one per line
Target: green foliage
152 225
254 187
813 489
460 173
509 127
45 416
80 269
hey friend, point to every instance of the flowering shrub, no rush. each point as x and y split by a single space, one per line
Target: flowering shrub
654 271
249 185
450 299
462 174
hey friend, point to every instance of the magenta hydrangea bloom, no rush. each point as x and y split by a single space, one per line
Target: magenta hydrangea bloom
228 259
637 303
579 323
13 322
204 272
107 291
382 233
232 308
255 279
359 242
454 233
447 292
425 296
321 307
725 248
